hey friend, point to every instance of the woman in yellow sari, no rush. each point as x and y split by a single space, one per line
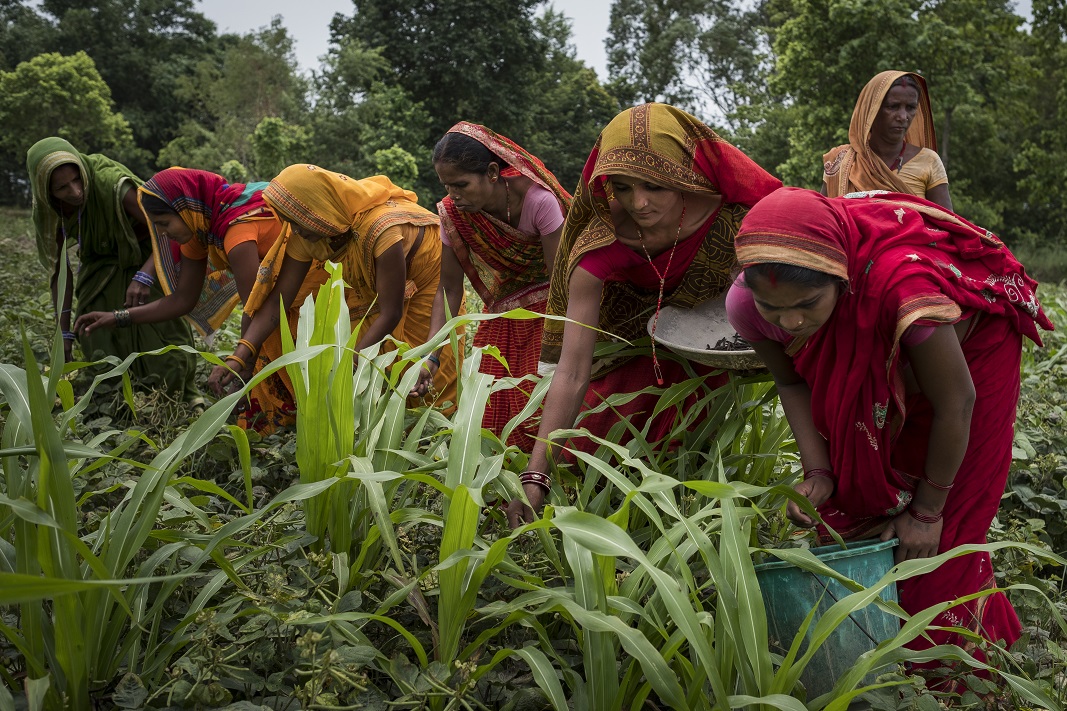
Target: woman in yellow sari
387 245
891 143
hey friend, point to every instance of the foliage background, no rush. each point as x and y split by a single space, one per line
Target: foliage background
153 83
778 77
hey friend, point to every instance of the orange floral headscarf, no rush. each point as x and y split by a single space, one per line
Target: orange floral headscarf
854 167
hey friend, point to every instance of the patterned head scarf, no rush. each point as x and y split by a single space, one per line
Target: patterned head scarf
208 205
331 203
666 146
854 167
498 259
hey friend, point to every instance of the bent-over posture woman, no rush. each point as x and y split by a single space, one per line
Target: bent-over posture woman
224 230
500 225
652 223
893 330
89 201
891 143
387 245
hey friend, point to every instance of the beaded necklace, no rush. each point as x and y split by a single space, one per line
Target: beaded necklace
662 281
899 162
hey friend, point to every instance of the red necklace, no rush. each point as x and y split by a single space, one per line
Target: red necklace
662 281
899 162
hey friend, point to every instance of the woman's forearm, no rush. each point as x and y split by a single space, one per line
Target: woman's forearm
149 267
796 401
169 307
63 310
437 314
382 327
562 404
949 437
260 326
454 298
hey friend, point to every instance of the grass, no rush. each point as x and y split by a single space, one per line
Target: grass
171 562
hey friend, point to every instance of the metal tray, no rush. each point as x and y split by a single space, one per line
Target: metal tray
688 332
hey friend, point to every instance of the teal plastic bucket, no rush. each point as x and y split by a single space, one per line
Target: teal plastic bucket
789 594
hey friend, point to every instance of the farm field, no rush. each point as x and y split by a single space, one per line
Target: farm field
157 557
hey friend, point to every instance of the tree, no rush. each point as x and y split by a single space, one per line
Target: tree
23 34
574 107
276 144
1040 212
825 52
141 48
254 78
476 60
650 49
711 57
974 56
53 95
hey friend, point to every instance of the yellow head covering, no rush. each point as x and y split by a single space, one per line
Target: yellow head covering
854 167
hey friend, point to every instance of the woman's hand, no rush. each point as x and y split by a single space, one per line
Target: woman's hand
518 512
222 377
136 294
917 539
94 319
817 490
425 382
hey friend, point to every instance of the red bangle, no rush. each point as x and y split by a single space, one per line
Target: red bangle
534 477
820 472
925 518
934 484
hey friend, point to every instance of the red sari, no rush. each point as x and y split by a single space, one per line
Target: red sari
666 146
507 268
907 261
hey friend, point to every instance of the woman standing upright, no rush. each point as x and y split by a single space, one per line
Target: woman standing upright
90 202
652 223
500 225
891 143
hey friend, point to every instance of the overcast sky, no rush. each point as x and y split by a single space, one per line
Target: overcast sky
308 21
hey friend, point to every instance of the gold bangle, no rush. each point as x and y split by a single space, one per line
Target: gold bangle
251 349
238 359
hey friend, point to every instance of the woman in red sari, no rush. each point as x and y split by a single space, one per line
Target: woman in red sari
893 330
652 223
500 225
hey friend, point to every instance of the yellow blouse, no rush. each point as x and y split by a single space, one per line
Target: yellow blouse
923 172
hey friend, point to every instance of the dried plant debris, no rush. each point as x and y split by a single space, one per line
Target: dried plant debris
730 343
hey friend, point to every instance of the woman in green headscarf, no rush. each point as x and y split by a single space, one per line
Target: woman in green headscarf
90 201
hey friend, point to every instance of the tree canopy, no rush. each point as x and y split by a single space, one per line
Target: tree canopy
778 77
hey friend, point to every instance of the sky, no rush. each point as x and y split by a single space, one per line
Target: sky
308 21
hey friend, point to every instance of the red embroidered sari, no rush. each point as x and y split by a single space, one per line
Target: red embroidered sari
507 269
907 261
669 147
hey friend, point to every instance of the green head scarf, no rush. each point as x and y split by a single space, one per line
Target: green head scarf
101 225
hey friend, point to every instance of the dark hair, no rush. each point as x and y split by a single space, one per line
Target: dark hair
156 206
776 272
907 81
465 153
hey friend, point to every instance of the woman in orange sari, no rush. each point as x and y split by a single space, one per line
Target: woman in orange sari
224 230
500 225
652 223
387 245
891 143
